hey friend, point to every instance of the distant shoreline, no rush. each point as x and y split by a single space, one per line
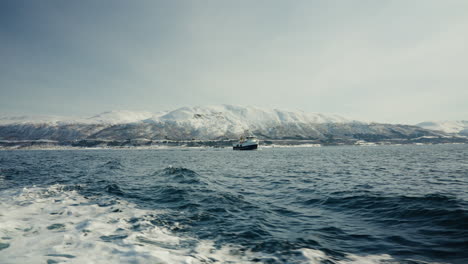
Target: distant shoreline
213 144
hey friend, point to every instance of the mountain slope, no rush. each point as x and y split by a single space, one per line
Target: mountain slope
456 127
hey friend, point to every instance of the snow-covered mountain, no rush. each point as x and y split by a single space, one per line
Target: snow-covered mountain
229 120
204 123
455 127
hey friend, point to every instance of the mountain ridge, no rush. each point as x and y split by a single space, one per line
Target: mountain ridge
251 113
215 122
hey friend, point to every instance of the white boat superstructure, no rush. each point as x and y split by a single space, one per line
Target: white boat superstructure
246 143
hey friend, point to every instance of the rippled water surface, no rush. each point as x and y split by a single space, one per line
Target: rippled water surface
387 204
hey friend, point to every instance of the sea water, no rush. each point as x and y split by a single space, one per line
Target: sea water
383 204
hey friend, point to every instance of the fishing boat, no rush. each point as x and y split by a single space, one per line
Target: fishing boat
246 143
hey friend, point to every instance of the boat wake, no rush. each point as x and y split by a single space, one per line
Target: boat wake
58 224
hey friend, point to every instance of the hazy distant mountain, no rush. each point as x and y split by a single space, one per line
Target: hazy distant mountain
111 117
456 127
205 123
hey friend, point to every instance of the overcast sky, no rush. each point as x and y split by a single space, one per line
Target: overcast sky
389 61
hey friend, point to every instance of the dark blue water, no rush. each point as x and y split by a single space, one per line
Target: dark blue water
387 204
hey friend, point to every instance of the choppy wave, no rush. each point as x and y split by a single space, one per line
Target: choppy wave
59 225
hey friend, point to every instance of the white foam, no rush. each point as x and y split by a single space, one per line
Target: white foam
314 256
292 146
42 224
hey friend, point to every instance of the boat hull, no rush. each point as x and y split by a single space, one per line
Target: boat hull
248 147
